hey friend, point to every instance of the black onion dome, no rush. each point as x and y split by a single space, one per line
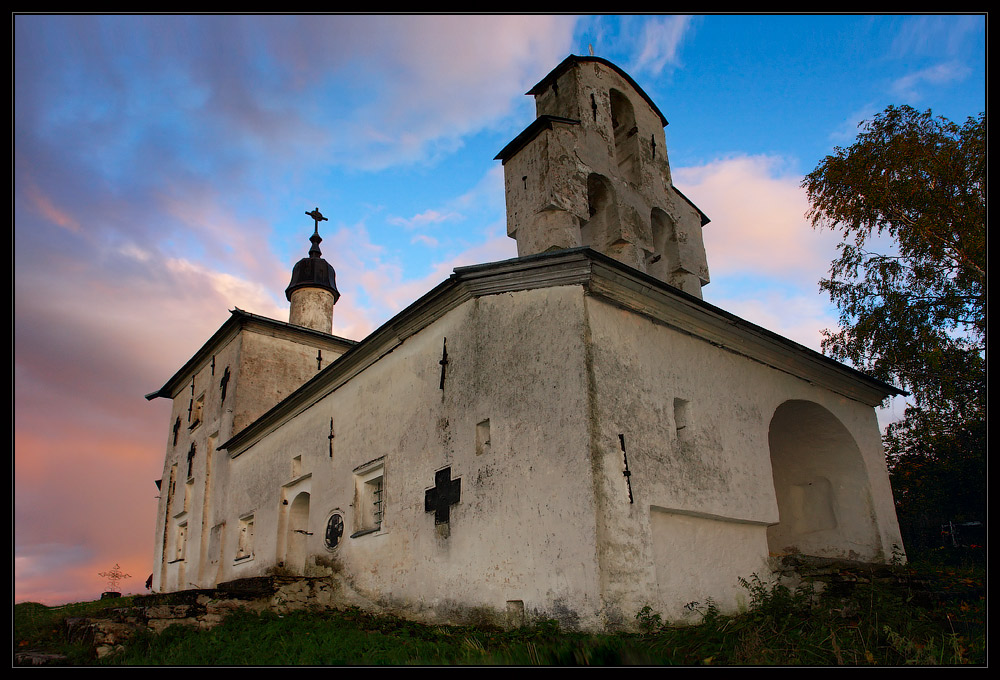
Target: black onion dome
313 272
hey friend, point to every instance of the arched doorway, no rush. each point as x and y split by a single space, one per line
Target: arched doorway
821 485
298 533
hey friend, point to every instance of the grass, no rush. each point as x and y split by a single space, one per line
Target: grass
934 615
43 628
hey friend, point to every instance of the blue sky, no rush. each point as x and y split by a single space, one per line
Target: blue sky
163 166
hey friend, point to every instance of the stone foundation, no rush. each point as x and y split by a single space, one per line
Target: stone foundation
205 609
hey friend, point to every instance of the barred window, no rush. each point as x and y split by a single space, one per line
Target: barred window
370 497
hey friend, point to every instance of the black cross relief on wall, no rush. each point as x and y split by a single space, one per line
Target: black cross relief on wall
444 361
445 493
224 383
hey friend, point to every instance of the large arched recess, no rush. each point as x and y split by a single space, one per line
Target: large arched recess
821 485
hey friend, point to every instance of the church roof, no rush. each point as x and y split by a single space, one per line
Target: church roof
600 276
238 321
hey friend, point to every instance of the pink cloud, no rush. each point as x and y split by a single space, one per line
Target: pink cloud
79 510
87 445
44 205
758 220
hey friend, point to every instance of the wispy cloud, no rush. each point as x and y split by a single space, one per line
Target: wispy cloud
936 34
428 217
910 86
659 43
847 132
426 240
797 314
44 205
403 292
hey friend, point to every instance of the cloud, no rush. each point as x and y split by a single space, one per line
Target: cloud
405 292
144 116
77 570
233 290
428 217
45 207
848 131
660 43
77 514
426 240
758 222
439 78
764 257
375 286
798 315
936 34
98 324
909 86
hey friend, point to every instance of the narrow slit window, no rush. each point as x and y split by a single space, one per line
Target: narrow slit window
483 443
682 419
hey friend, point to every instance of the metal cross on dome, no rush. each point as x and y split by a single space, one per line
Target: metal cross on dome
316 239
317 217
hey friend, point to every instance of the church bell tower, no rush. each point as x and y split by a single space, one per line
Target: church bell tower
592 170
312 291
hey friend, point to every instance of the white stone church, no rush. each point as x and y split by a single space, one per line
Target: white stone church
570 434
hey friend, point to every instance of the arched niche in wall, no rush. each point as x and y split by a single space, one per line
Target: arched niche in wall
626 137
602 206
665 261
821 486
298 533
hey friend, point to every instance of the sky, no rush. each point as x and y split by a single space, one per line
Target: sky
162 166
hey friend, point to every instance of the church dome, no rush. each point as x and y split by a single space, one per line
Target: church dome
313 272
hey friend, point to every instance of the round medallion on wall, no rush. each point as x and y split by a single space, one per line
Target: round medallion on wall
334 530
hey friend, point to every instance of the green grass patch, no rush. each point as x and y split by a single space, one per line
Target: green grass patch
931 615
38 627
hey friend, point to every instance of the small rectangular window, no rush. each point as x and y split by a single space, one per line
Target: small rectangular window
244 547
197 409
181 545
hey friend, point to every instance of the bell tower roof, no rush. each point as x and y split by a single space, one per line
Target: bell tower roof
573 59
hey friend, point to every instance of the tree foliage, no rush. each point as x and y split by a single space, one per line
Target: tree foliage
913 187
909 199
937 468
